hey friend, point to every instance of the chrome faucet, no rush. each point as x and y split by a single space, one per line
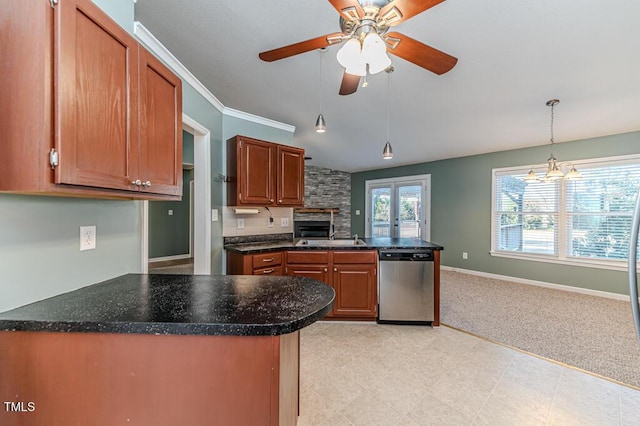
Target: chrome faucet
355 237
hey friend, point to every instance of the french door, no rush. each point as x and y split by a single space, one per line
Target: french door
398 208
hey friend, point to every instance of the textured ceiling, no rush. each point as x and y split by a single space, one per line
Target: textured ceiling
513 57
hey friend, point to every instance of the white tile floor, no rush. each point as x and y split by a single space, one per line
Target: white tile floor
366 374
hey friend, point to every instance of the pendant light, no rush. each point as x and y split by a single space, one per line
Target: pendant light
553 171
387 152
321 124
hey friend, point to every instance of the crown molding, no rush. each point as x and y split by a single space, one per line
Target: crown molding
257 119
165 55
158 49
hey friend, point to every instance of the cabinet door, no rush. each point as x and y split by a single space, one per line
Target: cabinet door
355 291
290 176
160 148
96 106
316 272
257 172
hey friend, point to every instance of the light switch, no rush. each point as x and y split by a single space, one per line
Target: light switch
240 224
214 215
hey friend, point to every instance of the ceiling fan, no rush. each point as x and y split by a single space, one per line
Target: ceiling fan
365 32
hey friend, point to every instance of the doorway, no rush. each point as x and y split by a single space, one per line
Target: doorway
200 202
399 207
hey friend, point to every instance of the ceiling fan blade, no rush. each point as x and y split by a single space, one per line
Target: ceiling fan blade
419 53
301 47
348 9
349 84
400 10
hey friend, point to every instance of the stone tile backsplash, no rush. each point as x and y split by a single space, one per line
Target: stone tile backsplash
328 188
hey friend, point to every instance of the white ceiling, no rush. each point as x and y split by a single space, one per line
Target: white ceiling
513 56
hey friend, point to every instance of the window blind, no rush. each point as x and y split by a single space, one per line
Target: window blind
585 220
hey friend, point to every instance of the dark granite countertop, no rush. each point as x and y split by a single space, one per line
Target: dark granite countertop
180 304
372 244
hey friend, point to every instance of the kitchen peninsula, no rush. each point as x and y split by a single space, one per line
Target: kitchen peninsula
161 349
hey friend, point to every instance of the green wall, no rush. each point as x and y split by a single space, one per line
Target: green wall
169 234
461 209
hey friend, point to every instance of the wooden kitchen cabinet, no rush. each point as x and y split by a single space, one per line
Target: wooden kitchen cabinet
351 273
85 110
355 286
264 173
355 282
310 264
270 263
290 176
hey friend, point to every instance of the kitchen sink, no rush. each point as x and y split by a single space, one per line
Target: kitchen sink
331 243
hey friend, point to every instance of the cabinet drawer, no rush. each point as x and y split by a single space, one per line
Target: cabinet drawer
267 259
307 257
276 270
354 256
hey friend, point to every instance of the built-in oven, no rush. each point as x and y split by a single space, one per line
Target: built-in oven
311 229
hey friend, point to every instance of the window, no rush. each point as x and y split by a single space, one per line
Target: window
585 221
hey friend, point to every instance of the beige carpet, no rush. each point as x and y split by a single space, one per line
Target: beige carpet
592 333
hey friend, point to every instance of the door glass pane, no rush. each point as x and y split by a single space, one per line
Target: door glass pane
409 211
381 212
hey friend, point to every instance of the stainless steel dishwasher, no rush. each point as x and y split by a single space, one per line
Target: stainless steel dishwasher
405 286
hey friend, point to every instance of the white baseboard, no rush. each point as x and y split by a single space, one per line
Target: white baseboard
165 258
562 287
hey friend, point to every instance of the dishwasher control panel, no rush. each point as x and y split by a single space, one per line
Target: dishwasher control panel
406 255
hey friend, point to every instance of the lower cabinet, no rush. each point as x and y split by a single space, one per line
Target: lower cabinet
351 273
355 285
270 263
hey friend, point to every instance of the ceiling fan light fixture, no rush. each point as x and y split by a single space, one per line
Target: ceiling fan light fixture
374 52
387 152
350 56
379 64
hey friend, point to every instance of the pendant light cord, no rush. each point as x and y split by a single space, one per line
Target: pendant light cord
388 103
553 104
321 54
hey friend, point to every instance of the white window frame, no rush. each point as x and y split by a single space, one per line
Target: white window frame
561 258
424 180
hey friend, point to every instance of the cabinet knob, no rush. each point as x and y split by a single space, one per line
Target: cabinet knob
271 200
335 269
136 182
147 184
325 269
279 201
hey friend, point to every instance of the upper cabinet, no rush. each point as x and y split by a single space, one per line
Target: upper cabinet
88 111
264 173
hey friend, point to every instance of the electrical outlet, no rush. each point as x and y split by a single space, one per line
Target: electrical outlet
465 255
357 212
240 223
87 238
214 215
170 212
270 222
284 222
